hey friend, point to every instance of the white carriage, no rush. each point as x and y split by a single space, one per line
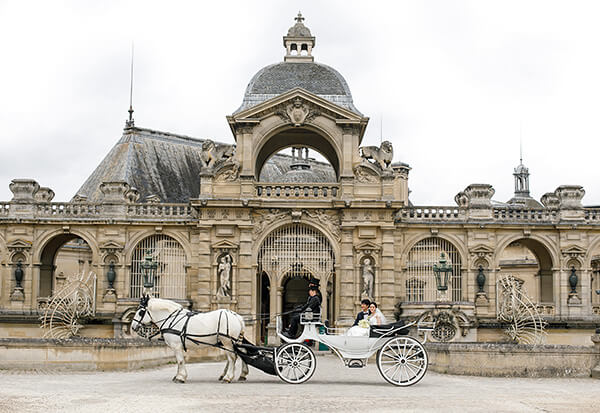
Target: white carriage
401 360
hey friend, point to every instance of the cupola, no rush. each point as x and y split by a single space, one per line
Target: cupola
299 42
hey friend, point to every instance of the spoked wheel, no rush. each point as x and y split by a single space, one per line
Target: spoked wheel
295 363
402 361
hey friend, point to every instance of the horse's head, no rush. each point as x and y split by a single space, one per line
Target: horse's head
141 316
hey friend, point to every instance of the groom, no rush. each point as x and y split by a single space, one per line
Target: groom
364 312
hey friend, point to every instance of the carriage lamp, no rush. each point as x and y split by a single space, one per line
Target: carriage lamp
149 268
19 273
442 272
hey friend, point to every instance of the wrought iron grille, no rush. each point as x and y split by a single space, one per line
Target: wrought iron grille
420 280
169 281
296 250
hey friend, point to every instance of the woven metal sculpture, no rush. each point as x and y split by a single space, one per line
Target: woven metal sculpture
70 307
519 313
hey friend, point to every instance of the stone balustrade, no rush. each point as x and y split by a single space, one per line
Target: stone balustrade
162 211
524 215
297 191
431 213
67 209
592 214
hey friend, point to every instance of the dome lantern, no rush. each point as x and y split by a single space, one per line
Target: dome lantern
299 42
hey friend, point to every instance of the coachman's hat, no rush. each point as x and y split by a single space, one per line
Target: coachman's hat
313 283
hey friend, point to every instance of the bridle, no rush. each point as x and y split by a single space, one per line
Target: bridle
142 310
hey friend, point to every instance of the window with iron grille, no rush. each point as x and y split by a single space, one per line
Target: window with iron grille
169 280
421 285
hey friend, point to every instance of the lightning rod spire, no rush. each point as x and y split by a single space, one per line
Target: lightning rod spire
130 122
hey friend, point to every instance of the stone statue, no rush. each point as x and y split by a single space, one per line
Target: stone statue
224 273
368 276
212 154
380 156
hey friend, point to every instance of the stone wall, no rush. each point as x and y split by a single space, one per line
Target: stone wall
512 360
92 354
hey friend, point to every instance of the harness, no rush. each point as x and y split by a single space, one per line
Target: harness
169 325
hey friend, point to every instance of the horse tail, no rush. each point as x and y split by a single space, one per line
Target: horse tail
242 325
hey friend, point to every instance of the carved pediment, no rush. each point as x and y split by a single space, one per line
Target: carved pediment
481 250
573 251
224 245
111 245
19 245
296 107
367 247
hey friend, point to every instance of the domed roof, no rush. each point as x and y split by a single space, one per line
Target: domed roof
316 78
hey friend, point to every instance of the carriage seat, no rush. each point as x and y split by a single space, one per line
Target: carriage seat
384 329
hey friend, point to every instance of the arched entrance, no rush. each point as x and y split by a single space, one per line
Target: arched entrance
530 261
64 256
288 256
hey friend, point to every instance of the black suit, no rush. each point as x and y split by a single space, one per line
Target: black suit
360 316
312 304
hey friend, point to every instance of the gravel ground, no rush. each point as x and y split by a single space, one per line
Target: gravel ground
332 388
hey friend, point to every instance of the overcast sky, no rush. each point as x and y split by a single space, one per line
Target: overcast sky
455 82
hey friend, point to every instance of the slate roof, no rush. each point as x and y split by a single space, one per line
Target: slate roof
317 78
155 163
168 165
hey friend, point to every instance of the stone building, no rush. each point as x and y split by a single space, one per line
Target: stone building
242 226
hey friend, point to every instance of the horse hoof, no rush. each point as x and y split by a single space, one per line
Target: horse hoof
242 379
180 381
226 380
221 378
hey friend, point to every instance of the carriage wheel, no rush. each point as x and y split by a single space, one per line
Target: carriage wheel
295 363
402 361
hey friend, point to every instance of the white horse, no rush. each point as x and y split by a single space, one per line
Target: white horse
180 327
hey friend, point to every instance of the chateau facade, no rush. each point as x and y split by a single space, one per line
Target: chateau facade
242 226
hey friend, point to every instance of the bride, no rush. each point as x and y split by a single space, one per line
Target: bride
375 318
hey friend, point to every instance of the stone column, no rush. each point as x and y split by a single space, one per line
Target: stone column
204 290
387 293
346 274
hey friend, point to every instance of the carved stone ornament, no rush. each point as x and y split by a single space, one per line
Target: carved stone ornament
365 174
266 218
380 156
153 199
213 155
445 324
573 252
44 194
570 196
230 171
114 191
328 219
298 112
476 195
24 189
550 200
132 195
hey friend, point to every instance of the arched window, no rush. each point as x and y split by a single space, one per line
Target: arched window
169 281
420 284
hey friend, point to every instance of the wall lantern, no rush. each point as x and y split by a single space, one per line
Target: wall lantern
149 269
442 273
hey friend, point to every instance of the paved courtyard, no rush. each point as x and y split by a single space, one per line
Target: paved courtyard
332 388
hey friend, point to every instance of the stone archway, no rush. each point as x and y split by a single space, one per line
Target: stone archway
304 137
530 261
290 254
63 255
